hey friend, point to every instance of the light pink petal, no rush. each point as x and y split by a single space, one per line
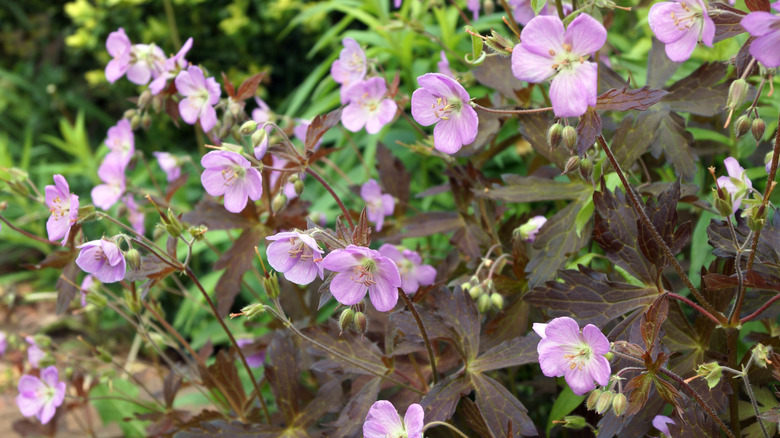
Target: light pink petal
185 84
254 184
104 196
579 380
111 252
425 275
30 384
388 204
446 138
599 369
370 191
661 422
345 290
443 86
759 23
214 91
382 421
383 115
139 73
767 49
531 67
661 21
339 74
388 270
374 214
29 406
189 110
117 43
59 394
115 69
303 272
341 260
586 35
552 358
391 252
50 376
413 420
542 34
681 49
564 331
208 117
278 253
708 32
236 197
89 261
568 92
220 159
354 117
57 226
466 123
111 274
422 107
597 341
213 181
46 414
733 168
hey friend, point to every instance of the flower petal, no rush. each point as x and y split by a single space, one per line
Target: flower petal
662 23
765 49
595 339
413 420
530 66
278 254
422 107
568 93
586 35
542 34
382 421
345 290
342 260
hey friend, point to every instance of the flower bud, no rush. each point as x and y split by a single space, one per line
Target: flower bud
96 300
135 121
619 404
604 401
554 135
46 361
230 147
173 225
711 372
253 310
723 205
497 300
737 93
157 103
236 133
128 114
249 127
499 43
271 285
466 286
609 356
574 422
86 211
475 292
361 322
132 302
474 280
761 355
742 126
42 341
133 258
345 319
572 164
569 137
279 202
593 398
18 181
768 161
198 233
229 119
757 129
484 303
586 168
235 108
144 99
298 185
488 6
754 221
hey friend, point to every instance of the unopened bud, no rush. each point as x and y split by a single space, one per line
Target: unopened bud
586 168
230 147
574 422
604 401
572 164
271 285
345 319
133 258
361 322
754 221
757 128
157 103
768 161
279 202
569 137
484 303
761 355
466 286
235 108
18 181
96 300
128 114
132 302
554 135
609 356
499 43
488 6
85 211
42 341
248 127
737 93
723 205
103 355
593 398
173 225
474 280
229 119
144 99
253 310
497 300
742 126
475 292
619 404
135 121
198 233
711 372
298 186
235 131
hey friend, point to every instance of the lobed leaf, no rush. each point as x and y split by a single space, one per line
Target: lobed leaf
238 259
588 129
630 99
510 353
282 372
701 92
502 411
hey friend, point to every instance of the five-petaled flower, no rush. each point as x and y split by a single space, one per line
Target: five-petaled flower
228 173
737 184
766 28
383 421
41 397
112 173
578 356
296 255
548 51
378 204
103 259
171 68
350 67
121 141
413 273
680 25
442 100
64 208
360 270
200 96
367 106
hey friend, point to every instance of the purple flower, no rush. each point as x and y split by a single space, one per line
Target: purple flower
737 183
547 51
170 68
680 25
147 61
296 255
362 270
230 174
3 343
260 115
134 214
473 6
41 397
121 140
64 208
383 421
103 259
529 229
397 3
413 273
367 106
444 65
579 357
170 164
200 96
661 422
379 204
766 28
34 352
350 67
112 173
253 360
443 101
87 285
119 47
523 11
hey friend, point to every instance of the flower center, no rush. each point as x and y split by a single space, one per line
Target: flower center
232 174
685 20
580 355
355 63
300 251
364 272
566 59
443 108
59 207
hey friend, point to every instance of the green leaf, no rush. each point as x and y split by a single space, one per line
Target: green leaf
566 402
583 216
112 409
537 5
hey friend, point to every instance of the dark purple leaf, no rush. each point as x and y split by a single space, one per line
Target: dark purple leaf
501 410
319 126
473 417
663 215
534 129
457 311
493 74
393 177
238 259
634 137
609 79
531 189
659 67
625 99
67 287
727 21
701 92
350 421
588 129
653 319
440 402
212 214
282 372
743 58
349 344
673 141
249 87
514 352
222 376
757 5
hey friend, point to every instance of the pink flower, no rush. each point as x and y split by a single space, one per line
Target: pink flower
255 360
3 343
443 101
413 273
296 255
367 106
134 214
121 141
737 184
661 423
473 6
362 270
87 285
200 96
171 68
350 67
766 28
523 11
379 204
41 397
112 173
547 51
444 65
529 229
119 47
34 352
64 208
169 164
260 115
680 25
147 61
230 174
579 357
383 421
103 259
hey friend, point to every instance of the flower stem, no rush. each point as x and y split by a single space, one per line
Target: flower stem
559 8
447 425
660 240
27 234
515 111
760 309
749 390
695 306
327 186
431 356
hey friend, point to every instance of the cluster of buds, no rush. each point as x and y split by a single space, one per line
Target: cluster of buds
559 134
351 319
744 124
484 294
601 400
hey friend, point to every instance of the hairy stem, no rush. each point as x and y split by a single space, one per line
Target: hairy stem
760 309
510 112
447 425
749 390
327 186
26 234
695 306
731 353
431 356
